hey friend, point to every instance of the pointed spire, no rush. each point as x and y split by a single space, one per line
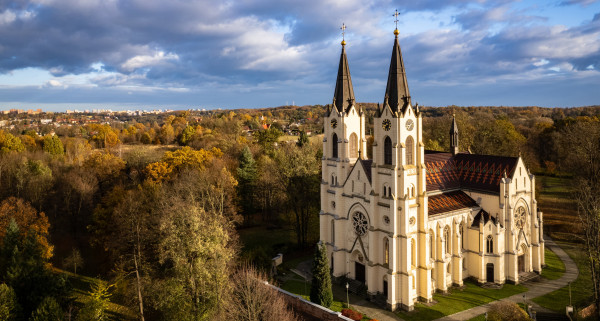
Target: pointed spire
343 97
396 92
454 136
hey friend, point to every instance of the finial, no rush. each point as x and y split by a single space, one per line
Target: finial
343 34
396 32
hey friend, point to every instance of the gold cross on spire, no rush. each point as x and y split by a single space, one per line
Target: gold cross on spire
343 34
396 14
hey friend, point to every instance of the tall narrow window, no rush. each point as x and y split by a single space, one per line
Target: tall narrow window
413 253
447 239
409 151
332 232
353 146
462 236
335 145
386 252
490 244
387 151
431 244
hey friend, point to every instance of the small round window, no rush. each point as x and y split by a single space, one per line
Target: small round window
386 219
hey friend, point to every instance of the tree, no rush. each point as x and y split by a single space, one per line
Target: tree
302 139
246 181
299 175
73 260
10 143
320 287
27 218
49 310
52 145
97 303
506 311
254 299
9 307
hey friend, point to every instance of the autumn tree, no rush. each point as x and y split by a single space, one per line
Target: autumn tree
53 145
28 219
299 176
10 143
9 307
252 298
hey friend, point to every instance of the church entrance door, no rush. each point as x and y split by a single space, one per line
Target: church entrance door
385 289
489 272
521 263
359 272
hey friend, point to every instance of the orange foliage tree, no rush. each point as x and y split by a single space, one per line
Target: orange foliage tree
28 219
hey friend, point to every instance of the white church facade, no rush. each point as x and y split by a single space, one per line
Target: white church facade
410 222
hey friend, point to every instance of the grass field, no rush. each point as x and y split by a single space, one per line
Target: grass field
555 268
458 300
581 289
560 213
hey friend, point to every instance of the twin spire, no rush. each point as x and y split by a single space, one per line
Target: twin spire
396 93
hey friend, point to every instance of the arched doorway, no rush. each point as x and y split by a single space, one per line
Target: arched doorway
489 272
521 260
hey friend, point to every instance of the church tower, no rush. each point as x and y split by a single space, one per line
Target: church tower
399 182
454 136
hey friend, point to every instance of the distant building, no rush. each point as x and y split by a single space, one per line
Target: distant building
410 222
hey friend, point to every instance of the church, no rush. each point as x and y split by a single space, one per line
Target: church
410 221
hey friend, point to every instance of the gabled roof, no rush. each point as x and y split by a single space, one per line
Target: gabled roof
484 217
450 201
343 96
396 92
366 163
469 171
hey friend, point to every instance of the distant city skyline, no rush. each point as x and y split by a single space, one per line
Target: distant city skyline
94 54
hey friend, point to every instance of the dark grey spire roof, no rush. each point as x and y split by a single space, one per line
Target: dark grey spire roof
343 97
454 128
396 92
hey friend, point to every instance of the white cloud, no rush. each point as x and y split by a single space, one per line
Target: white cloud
7 17
142 61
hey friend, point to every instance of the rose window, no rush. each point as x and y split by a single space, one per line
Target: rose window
360 223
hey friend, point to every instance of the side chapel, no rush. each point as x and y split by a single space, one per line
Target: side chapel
411 221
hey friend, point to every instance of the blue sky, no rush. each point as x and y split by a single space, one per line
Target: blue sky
60 54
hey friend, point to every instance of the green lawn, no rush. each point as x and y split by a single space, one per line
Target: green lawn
581 289
458 300
478 318
555 268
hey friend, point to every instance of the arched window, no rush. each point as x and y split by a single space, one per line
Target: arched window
462 236
431 244
332 180
409 151
447 238
353 146
413 253
384 191
386 251
387 151
389 191
332 232
490 244
335 146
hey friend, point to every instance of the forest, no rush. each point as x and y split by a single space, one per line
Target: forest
163 214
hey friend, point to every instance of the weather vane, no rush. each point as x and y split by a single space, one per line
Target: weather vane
396 16
343 31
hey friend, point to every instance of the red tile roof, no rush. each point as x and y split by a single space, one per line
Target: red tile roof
449 201
478 172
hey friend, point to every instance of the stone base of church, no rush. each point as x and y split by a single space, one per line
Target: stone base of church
425 300
407 307
392 307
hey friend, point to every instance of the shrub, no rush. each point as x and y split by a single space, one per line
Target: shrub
506 311
352 314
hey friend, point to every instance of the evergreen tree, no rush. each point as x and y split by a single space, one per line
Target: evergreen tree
247 175
49 310
302 139
320 288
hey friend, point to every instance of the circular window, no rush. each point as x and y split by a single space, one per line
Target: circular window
386 219
360 223
520 217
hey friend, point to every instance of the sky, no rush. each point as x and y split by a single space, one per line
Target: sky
145 54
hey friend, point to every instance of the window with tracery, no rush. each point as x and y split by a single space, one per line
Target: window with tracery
447 238
360 223
387 151
490 244
386 252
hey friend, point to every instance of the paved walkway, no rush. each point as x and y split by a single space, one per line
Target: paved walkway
535 289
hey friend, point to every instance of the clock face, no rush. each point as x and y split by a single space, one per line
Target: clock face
410 124
333 123
386 124
520 217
